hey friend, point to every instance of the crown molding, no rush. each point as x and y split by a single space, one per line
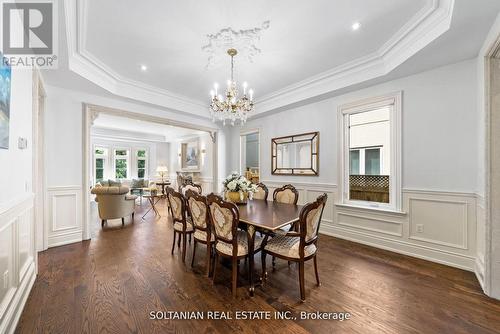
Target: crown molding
427 25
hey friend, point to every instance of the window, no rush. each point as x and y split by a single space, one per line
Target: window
100 159
121 163
370 152
142 163
249 155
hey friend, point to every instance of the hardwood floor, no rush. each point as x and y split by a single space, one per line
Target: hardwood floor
111 284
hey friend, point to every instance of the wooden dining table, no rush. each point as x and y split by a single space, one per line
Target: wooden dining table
264 216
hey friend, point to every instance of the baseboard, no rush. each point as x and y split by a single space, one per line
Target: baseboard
65 238
479 271
426 253
15 309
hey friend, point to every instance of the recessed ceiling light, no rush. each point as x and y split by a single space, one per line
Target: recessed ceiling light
144 68
355 26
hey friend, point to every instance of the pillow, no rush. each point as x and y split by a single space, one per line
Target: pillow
137 183
104 183
145 183
114 183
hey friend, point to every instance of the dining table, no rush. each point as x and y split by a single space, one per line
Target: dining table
266 217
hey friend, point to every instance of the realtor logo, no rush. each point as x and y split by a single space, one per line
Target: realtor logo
29 33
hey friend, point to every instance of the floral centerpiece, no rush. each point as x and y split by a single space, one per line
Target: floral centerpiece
237 188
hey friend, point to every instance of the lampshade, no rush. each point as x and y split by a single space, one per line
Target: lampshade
162 169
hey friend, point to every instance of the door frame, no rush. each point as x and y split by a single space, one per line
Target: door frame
90 112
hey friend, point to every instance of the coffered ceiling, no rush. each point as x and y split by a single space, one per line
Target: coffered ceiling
308 48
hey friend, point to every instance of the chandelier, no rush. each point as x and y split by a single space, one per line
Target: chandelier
231 107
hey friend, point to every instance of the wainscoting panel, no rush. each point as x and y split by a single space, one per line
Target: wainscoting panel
17 260
64 215
433 225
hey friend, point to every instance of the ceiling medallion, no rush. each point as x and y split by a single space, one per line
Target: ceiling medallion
243 40
231 107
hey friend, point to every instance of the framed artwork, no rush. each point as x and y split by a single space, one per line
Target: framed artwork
190 154
5 81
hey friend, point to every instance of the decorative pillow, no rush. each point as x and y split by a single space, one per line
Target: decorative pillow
145 183
137 183
104 183
114 183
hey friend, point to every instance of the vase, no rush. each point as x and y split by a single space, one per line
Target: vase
234 196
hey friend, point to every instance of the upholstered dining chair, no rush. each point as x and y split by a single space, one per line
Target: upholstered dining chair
286 194
230 242
189 185
298 246
198 210
262 192
182 224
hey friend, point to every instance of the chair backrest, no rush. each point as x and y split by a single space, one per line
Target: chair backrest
177 205
286 194
198 210
310 219
189 185
224 217
262 192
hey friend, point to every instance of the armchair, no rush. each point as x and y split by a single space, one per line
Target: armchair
114 202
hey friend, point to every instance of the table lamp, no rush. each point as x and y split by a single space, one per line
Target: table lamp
162 171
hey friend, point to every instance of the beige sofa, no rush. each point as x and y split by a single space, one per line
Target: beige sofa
114 202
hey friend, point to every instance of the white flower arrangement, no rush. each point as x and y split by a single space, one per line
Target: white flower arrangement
236 182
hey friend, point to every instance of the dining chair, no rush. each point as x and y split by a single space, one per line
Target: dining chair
298 246
262 192
286 194
183 225
189 185
230 242
198 210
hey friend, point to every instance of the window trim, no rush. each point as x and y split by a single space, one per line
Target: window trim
146 162
127 157
395 185
100 156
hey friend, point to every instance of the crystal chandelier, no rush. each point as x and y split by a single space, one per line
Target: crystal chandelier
231 107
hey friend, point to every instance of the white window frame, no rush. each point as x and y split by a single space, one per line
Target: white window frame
127 157
146 164
395 182
106 162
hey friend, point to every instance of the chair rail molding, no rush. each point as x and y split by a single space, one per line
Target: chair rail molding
17 242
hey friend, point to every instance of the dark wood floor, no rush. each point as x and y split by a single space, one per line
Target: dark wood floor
111 283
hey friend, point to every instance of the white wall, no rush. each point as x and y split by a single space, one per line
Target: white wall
17 239
439 168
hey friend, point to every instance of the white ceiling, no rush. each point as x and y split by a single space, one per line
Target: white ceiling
168 133
304 38
106 46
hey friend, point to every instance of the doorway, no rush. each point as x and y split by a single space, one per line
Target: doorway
92 112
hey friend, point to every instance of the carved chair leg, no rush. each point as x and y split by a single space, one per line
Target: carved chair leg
263 261
274 263
173 244
234 279
184 246
194 253
209 257
216 258
316 271
179 241
301 282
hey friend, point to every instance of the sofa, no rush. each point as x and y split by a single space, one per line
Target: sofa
137 186
114 202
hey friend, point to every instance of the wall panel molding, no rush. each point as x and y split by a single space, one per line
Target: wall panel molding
64 215
18 273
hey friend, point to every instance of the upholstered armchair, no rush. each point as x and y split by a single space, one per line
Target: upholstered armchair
114 203
298 246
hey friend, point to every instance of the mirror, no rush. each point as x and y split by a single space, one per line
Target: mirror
295 155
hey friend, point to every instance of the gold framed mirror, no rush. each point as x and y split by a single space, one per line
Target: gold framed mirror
295 155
